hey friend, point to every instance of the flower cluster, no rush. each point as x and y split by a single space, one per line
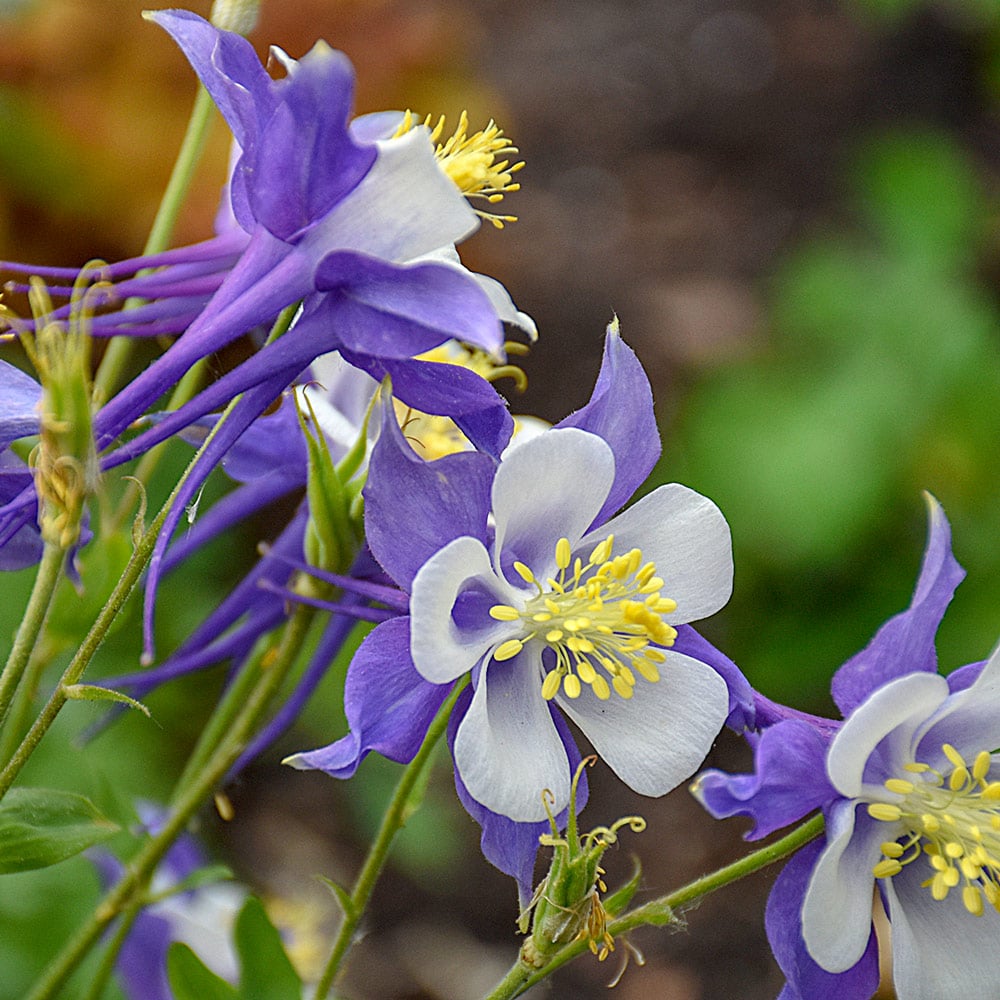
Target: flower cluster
505 571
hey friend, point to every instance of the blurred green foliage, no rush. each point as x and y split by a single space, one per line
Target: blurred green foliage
879 379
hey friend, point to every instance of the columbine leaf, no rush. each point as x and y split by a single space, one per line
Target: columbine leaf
92 692
191 980
42 826
265 971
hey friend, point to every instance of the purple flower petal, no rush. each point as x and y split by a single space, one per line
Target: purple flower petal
783 920
789 781
905 643
414 508
20 395
741 695
621 412
389 706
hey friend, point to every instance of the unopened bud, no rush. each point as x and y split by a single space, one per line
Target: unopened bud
235 15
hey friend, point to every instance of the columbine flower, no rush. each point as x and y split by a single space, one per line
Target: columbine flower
200 916
520 575
911 796
358 219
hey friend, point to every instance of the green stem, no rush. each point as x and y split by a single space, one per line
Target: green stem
87 649
393 821
187 801
117 354
97 985
46 581
660 911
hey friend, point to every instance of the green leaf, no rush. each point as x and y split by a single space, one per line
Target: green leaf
616 901
93 692
342 896
265 970
42 826
191 980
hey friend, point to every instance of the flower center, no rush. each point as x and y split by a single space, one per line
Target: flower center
471 161
953 819
599 619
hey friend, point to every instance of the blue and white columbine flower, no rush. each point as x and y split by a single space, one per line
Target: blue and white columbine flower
520 575
910 788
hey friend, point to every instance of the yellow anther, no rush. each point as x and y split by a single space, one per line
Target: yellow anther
550 686
509 649
973 900
887 868
953 755
622 687
524 573
982 765
600 687
602 551
959 778
571 685
892 849
884 811
504 613
899 786
953 849
563 553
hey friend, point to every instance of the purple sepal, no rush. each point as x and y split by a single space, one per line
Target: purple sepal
20 539
783 921
789 780
963 677
401 310
506 844
268 276
142 960
228 67
389 706
621 412
905 643
448 390
414 508
20 395
741 694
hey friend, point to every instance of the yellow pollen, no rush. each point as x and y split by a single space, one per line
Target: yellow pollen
478 164
953 819
600 618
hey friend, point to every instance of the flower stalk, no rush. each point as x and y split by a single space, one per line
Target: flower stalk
659 912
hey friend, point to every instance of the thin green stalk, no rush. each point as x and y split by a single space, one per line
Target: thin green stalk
98 984
187 801
140 557
392 822
85 653
46 581
117 354
659 911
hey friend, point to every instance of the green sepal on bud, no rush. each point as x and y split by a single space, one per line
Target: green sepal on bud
65 460
567 904
334 531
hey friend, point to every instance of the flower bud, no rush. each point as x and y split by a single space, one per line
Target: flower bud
65 460
567 904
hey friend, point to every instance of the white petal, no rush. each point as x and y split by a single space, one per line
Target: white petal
551 487
895 710
687 538
404 207
441 650
939 950
660 736
970 719
507 749
837 909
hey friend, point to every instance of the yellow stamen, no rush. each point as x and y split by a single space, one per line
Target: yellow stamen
473 162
